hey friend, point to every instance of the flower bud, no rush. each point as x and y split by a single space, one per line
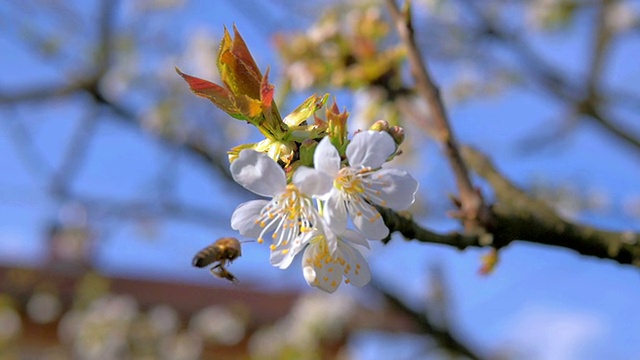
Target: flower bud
397 133
380 125
337 126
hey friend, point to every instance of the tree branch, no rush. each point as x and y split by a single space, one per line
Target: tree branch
517 217
472 206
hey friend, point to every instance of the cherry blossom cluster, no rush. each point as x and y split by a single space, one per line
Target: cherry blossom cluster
323 187
312 212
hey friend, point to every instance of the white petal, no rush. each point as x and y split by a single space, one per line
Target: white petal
282 256
309 274
245 216
326 158
324 276
335 212
258 173
329 236
312 182
351 238
370 224
328 277
370 149
358 274
396 189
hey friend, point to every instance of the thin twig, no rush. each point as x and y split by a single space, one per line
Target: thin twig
472 206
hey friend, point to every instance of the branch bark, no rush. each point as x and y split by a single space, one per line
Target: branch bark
518 217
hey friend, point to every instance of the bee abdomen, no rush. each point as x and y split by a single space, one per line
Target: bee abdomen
204 257
200 262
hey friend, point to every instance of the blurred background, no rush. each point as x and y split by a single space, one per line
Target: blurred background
114 175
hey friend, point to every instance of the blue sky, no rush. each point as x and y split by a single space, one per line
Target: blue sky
541 302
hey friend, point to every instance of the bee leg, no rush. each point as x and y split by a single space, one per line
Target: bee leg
229 276
216 270
220 271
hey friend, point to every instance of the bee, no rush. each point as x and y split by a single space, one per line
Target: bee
221 252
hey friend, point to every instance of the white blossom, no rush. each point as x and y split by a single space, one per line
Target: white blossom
288 215
363 183
324 268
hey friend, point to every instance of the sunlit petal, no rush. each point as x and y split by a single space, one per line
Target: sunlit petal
335 212
282 256
370 149
370 223
319 270
245 216
356 269
351 238
392 188
258 173
309 274
312 182
326 158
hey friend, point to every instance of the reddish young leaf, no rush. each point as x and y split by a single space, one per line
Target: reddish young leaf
242 53
216 93
266 91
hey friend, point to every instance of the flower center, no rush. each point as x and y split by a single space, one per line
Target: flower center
349 181
286 216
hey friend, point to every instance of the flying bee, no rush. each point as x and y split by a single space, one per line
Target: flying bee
221 252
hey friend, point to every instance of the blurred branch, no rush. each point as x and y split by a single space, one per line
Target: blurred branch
105 35
25 148
91 87
585 99
102 108
601 42
442 335
74 154
472 207
131 209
